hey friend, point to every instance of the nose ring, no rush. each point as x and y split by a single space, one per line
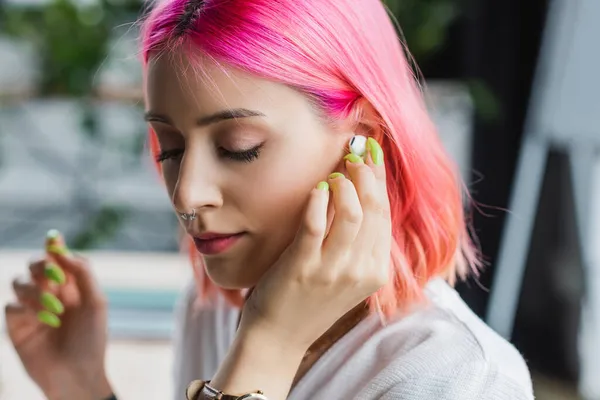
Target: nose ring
188 216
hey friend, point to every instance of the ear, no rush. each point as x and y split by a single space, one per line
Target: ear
364 120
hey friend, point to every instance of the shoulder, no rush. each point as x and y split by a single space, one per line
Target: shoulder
473 380
490 347
444 351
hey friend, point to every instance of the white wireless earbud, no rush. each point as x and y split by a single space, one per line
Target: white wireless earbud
358 145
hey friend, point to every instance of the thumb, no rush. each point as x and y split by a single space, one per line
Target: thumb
76 267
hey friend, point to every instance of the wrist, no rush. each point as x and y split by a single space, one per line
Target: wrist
258 360
269 340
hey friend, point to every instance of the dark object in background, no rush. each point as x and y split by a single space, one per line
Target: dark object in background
503 40
549 313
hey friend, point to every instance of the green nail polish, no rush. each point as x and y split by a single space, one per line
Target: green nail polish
324 186
52 303
376 151
353 158
336 175
48 318
55 273
60 250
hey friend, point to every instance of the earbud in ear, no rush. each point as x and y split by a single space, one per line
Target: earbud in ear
358 145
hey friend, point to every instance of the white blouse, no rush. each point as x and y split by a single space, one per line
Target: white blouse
442 351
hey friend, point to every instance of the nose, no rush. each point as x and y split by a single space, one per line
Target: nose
196 189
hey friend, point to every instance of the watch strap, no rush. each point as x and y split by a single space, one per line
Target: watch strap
198 387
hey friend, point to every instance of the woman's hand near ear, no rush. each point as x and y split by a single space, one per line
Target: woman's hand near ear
322 275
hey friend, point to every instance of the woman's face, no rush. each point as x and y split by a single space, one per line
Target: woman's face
242 152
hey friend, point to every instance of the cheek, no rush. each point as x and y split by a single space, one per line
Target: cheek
282 191
279 198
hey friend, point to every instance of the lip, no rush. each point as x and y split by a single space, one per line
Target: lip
216 243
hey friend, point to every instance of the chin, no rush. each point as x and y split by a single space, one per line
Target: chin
231 277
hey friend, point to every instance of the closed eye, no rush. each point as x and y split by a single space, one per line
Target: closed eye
243 156
169 154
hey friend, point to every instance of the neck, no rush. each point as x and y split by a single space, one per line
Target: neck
341 327
330 337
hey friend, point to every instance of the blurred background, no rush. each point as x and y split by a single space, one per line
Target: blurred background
512 85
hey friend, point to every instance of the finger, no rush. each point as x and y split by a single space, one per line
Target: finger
18 317
27 292
36 271
30 294
48 270
22 322
341 168
75 266
16 311
374 204
44 272
348 216
374 159
314 225
330 216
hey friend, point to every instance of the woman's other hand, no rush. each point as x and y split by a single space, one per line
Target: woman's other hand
327 271
58 325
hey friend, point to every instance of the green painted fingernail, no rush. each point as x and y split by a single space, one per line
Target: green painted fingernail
353 158
324 186
55 273
52 303
48 318
336 175
55 243
376 151
60 250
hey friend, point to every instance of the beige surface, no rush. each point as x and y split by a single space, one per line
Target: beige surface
138 370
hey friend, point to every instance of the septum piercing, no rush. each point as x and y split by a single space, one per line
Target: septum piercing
188 216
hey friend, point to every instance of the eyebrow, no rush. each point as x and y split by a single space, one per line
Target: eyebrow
209 119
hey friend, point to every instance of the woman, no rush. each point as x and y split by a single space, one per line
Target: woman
340 262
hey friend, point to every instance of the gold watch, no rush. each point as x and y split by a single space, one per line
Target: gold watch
197 388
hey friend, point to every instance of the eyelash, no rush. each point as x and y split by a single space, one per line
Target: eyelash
242 156
168 154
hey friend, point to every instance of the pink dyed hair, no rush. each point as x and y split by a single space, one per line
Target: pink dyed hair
339 52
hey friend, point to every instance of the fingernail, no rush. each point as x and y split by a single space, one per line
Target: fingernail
353 158
336 175
55 243
324 186
376 151
55 273
52 303
48 318
60 250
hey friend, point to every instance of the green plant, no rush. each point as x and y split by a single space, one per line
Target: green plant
71 39
424 26
425 23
